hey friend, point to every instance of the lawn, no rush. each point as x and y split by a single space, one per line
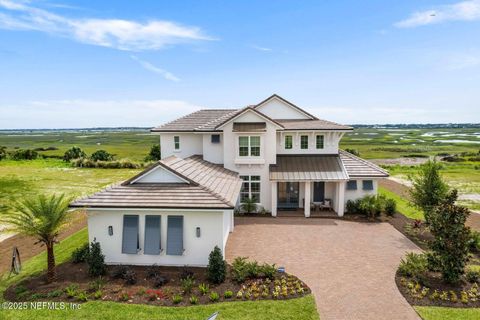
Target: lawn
440 313
403 206
301 308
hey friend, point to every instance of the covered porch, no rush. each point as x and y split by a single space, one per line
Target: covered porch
313 183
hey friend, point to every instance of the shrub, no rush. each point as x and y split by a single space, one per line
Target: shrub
355 152
80 254
268 270
214 297
96 260
253 270
159 281
228 294
176 299
97 294
193 300
124 296
96 284
390 207
187 284
154 154
73 153
413 265
249 205
371 206
472 276
152 271
54 293
352 206
24 154
450 237
186 273
20 291
474 241
119 272
203 288
71 290
82 296
154 294
101 155
117 164
217 267
130 277
239 269
3 152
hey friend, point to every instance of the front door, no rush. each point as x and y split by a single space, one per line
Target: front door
318 191
288 195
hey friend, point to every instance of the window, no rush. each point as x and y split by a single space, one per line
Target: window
367 185
215 138
319 141
175 235
152 235
130 241
250 188
303 142
288 142
176 142
249 146
352 185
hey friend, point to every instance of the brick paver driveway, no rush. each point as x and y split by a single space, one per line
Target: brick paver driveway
350 266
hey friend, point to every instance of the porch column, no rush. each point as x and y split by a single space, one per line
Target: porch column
340 197
274 198
308 198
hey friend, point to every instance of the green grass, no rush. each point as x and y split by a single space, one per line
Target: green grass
301 308
440 313
403 206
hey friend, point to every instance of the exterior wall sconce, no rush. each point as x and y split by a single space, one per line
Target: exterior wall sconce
198 232
110 230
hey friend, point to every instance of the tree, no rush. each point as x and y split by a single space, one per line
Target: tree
217 267
96 260
101 155
451 237
3 152
74 153
43 218
428 188
154 154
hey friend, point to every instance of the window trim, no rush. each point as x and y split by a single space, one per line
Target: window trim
176 144
291 141
323 141
249 183
365 188
301 141
249 146
352 188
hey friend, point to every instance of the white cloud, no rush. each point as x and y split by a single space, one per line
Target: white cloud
79 113
114 33
461 11
150 67
261 48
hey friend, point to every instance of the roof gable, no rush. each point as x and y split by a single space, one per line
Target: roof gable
278 108
249 114
158 174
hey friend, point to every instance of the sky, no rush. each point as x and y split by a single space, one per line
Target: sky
77 64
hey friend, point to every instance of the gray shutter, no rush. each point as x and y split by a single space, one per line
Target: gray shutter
352 185
175 235
367 185
152 235
130 234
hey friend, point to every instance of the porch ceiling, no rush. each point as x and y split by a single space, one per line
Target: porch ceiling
308 168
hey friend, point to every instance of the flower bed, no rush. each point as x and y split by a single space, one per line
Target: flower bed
154 285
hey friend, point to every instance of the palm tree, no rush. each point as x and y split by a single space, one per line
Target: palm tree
42 218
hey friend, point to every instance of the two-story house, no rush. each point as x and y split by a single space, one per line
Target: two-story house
177 210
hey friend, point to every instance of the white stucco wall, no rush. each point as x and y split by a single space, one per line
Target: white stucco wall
359 193
213 225
190 144
277 109
212 152
330 142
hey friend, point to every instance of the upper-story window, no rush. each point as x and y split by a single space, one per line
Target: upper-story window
249 146
288 142
303 142
176 142
320 142
215 138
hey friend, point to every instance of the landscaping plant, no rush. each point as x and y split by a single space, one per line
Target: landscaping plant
43 218
154 154
414 265
217 267
74 153
249 205
81 254
101 155
96 260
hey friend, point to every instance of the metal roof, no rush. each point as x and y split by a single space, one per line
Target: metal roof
317 124
210 186
202 120
308 168
361 168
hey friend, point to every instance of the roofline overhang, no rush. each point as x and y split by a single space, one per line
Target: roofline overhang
170 208
332 129
249 109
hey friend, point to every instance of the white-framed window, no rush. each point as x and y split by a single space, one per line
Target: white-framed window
320 141
288 142
176 142
249 146
303 142
250 188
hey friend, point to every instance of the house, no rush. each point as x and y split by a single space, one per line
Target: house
177 210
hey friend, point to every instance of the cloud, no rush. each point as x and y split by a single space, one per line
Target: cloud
150 67
261 48
461 11
461 62
113 33
80 113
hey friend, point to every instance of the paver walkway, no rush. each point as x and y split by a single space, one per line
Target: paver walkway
350 266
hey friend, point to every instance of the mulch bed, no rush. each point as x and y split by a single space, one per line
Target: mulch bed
115 289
